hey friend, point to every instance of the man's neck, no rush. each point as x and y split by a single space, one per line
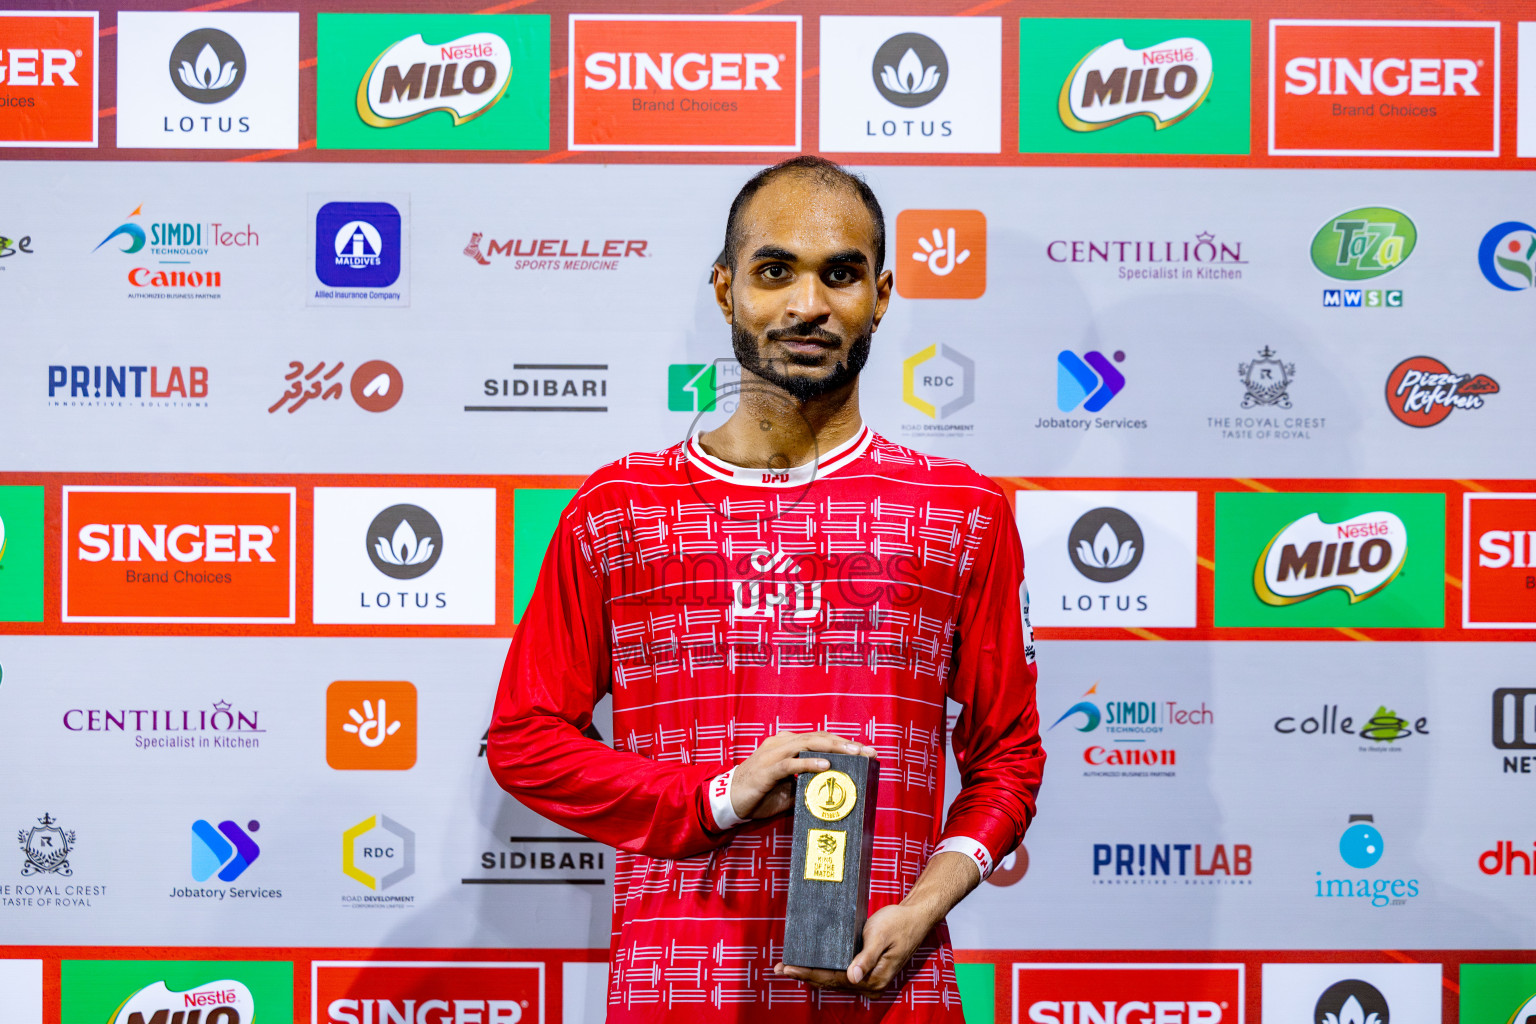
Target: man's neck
771 429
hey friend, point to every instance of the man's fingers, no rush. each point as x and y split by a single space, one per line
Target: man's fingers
813 976
833 743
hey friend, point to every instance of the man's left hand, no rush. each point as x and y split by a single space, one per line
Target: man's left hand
890 937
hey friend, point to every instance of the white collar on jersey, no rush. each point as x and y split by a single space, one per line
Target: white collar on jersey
823 464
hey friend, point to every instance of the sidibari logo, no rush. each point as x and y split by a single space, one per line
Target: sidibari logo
1507 256
1308 557
217 1002
1363 243
1422 391
910 70
1113 83
1352 1002
207 66
1105 545
412 78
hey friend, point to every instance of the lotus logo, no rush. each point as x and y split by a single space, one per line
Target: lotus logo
1358 556
1352 1002
207 66
1113 83
463 78
910 70
1105 545
404 542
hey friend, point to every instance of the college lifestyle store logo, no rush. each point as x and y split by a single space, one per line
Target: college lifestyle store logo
78 386
179 554
1383 88
370 725
1159 863
1121 993
375 386
1422 391
378 853
433 81
21 554
1507 256
48 84
47 848
12 246
1384 729
1091 85
1360 245
1499 561
365 991
941 254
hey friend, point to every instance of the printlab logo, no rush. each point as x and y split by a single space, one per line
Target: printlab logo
910 70
1352 1002
96 386
1157 863
376 386
226 851
941 254
370 726
938 382
1507 256
47 848
360 252
1266 380
404 542
1105 545
1422 391
1500 583
379 853
207 66
1089 380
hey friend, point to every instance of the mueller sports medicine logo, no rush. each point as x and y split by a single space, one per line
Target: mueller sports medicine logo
1422 391
1358 556
1384 88
1499 561
412 78
556 253
178 554
1164 83
122 385
224 1001
649 82
1120 993
355 992
48 80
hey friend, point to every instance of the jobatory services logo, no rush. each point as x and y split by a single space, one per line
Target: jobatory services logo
21 554
219 726
127 387
370 725
405 556
48 84
1089 381
362 251
546 387
1199 258
179 554
1110 558
1107 85
1498 993
1507 256
180 251
227 850
1164 993
684 82
1422 391
433 81
378 853
207 80
911 85
492 992
1383 88
214 991
1339 560
938 381
1498 557
1196 863
1333 993
544 254
941 254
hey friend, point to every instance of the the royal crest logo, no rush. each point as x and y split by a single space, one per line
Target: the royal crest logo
412 78
1422 391
1113 83
1358 556
1267 380
47 848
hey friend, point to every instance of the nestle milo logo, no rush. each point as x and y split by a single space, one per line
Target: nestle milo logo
1309 556
1114 82
1363 243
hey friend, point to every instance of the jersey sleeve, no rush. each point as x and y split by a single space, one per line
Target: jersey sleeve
558 667
997 738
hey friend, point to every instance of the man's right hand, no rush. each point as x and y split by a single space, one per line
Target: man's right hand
764 784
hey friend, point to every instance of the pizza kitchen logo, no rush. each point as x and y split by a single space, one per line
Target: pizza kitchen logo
1422 391
1308 557
1113 83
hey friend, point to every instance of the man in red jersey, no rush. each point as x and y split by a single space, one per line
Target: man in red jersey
789 581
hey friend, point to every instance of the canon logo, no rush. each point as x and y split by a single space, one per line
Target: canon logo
690 71
425 1011
131 542
1133 1011
1392 76
37 67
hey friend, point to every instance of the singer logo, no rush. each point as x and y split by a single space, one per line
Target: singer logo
1384 88
652 82
355 992
1130 993
1499 561
178 554
941 254
370 726
47 79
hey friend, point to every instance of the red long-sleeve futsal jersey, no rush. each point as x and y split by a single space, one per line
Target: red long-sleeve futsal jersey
721 605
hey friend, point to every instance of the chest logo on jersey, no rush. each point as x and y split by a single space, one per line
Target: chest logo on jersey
773 588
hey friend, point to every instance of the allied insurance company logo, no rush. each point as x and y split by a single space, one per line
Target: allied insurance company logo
48 79
505 992
1499 561
1422 391
358 245
941 254
179 554
1165 993
370 725
226 850
1383 88
1507 256
683 82
1360 245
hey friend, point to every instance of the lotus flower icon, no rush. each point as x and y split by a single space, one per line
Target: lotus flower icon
1351 1013
1107 551
1106 545
207 73
207 65
404 548
909 77
404 542
910 70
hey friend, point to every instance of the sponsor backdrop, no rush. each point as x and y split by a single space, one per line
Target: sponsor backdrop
316 314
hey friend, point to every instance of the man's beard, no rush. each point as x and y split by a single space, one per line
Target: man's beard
750 355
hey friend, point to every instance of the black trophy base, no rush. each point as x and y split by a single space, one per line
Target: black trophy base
829 864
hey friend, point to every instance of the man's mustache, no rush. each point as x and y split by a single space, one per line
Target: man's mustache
801 332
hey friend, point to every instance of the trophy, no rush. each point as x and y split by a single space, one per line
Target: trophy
829 861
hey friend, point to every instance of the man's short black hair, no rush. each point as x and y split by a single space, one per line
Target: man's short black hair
825 172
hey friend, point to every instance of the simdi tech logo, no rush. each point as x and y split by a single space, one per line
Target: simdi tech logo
178 248
216 992
178 554
941 254
1121 85
1383 88
48 84
207 80
1134 993
433 81
684 82
1339 560
356 992
1498 558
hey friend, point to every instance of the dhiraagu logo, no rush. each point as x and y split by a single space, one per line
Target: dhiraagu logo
130 991
1364 243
